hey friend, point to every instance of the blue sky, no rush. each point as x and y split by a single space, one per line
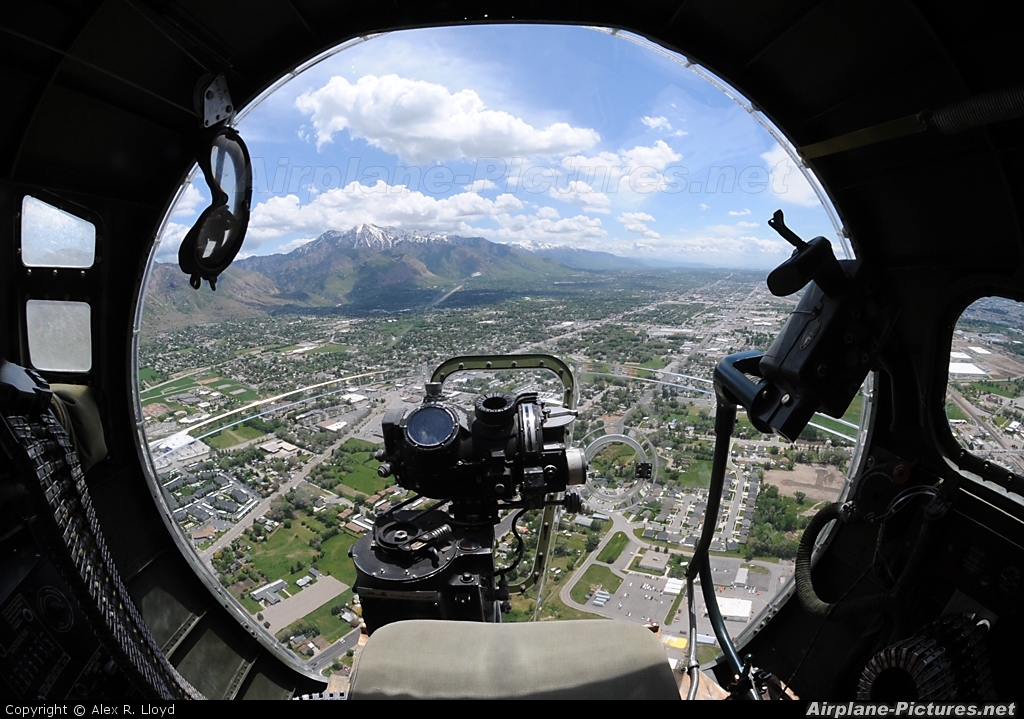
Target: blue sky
548 135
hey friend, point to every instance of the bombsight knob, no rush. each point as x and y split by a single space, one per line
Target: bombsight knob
496 409
573 502
384 470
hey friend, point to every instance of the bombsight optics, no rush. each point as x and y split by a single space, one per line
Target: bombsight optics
508 445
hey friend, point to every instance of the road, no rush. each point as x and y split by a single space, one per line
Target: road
261 508
258 403
325 658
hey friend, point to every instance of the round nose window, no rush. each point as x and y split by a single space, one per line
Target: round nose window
416 197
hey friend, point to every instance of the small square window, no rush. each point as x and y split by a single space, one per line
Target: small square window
59 335
54 238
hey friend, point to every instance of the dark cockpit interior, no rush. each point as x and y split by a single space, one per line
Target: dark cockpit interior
911 115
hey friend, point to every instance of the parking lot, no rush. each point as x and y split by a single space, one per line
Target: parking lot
642 598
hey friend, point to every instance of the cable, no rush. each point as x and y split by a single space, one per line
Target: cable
692 667
519 545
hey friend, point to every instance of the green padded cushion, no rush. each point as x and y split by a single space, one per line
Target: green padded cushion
586 659
79 412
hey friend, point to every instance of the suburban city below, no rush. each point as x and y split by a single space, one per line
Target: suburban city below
262 406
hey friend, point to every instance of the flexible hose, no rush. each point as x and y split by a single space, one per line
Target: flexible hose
980 110
802 574
725 421
805 593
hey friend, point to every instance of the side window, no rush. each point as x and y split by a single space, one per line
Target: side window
59 332
985 391
59 335
53 238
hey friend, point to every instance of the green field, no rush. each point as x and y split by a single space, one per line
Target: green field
336 561
331 626
636 369
696 474
364 478
164 390
853 412
281 551
234 436
594 576
953 412
286 546
837 426
362 475
1003 389
614 548
213 383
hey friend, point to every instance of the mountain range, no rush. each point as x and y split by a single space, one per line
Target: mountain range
368 267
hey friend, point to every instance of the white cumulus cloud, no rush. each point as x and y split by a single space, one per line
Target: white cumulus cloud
170 239
659 156
480 186
423 121
637 222
380 204
191 202
522 227
579 193
656 123
787 182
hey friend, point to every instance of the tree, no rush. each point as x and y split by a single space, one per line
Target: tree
800 497
281 509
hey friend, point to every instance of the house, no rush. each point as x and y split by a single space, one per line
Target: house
204 533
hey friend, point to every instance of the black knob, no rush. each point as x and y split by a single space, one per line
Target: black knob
496 409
